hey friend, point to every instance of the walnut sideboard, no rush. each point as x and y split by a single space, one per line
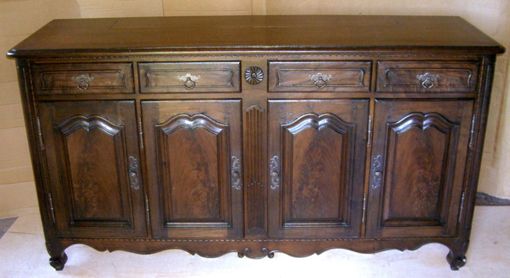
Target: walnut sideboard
256 134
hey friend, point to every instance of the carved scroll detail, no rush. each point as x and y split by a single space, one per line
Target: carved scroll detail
192 122
88 123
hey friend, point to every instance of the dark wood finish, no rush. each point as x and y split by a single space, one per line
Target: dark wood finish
192 147
318 76
418 167
370 140
315 32
182 77
89 145
317 149
255 171
83 78
427 77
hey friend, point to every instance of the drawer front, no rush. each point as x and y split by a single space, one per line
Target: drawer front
434 76
336 76
182 77
83 78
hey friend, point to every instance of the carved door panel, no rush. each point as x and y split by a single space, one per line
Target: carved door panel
92 161
193 151
317 157
418 160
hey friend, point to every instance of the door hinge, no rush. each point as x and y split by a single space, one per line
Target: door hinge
147 211
39 134
140 134
364 210
369 132
462 197
472 132
52 209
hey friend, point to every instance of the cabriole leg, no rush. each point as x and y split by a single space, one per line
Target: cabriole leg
58 257
456 260
58 262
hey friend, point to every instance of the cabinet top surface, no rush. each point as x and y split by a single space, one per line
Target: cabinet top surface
123 35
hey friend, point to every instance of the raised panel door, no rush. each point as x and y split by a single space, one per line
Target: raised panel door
193 151
418 162
93 175
317 152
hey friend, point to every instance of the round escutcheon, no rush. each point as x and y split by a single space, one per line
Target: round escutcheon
253 75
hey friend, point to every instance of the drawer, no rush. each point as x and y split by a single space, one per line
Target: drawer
426 76
181 77
310 76
83 78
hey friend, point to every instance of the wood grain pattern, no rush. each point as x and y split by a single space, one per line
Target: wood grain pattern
428 141
95 189
373 142
427 77
320 144
319 147
255 171
310 76
423 145
190 145
191 151
232 33
92 198
189 77
83 78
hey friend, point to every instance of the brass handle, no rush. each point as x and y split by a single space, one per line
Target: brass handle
274 172
133 173
428 80
320 80
235 173
190 80
377 168
83 80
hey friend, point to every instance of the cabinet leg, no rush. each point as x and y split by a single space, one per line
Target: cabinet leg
58 262
456 260
58 257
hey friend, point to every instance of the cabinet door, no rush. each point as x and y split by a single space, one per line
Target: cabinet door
92 160
317 157
194 159
418 164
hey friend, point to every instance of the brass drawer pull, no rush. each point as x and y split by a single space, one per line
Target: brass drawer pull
320 80
190 80
428 80
83 80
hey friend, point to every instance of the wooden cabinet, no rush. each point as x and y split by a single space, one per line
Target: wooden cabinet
256 134
193 149
418 167
316 150
92 167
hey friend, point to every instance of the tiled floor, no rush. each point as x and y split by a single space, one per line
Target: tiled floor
5 224
22 254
